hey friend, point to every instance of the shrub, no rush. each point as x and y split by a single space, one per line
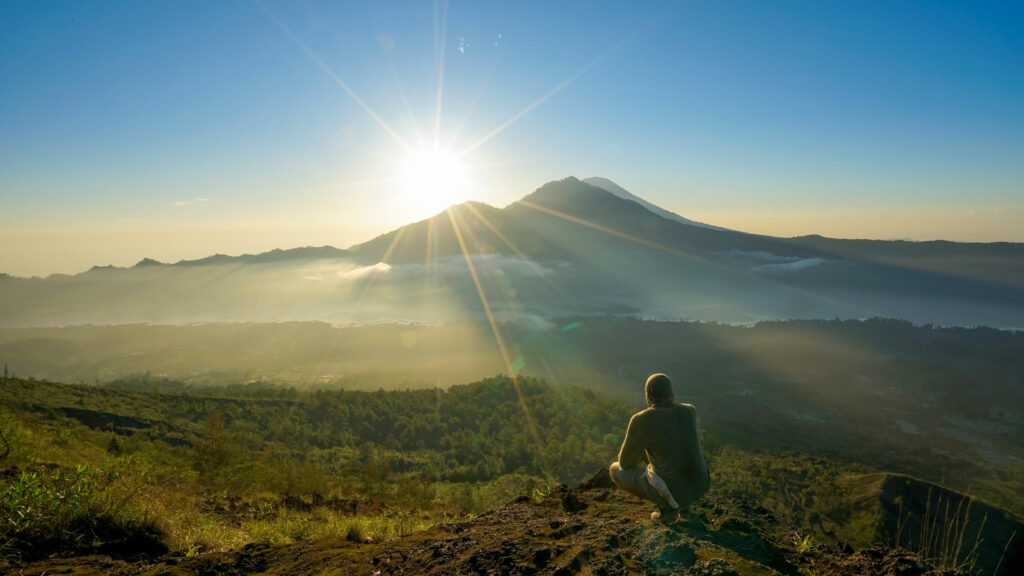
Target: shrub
73 510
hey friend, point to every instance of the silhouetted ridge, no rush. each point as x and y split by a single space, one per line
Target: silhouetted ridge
598 207
567 248
576 197
621 192
215 259
435 238
275 255
147 262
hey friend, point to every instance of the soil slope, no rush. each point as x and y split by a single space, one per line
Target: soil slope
589 529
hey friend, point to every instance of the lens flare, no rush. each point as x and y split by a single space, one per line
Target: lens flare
432 179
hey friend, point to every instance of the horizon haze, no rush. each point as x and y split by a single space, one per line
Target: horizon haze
568 249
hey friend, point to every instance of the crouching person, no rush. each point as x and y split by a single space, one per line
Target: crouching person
661 458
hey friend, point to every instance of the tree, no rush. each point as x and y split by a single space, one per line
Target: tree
371 469
7 447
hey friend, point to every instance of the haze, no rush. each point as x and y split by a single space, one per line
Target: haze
179 130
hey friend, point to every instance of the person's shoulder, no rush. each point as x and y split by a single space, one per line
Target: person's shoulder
642 414
688 407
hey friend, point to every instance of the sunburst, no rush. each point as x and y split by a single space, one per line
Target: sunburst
432 179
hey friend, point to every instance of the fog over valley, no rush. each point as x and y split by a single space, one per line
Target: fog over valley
569 248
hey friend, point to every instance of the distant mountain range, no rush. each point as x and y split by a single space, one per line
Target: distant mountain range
570 247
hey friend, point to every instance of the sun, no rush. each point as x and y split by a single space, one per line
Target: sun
432 179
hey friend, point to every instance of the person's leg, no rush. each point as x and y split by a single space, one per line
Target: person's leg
632 480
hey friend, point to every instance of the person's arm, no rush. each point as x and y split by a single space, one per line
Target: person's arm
632 451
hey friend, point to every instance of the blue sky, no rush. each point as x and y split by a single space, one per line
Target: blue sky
180 129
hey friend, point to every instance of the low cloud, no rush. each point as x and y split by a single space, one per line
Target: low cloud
364 271
763 256
483 264
192 202
795 266
775 263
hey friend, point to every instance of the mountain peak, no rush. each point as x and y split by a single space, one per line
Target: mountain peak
147 262
563 192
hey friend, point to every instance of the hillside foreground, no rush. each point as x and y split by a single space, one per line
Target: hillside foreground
108 481
589 529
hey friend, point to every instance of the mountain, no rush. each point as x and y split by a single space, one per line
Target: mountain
608 185
568 248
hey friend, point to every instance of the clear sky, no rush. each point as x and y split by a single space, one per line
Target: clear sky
179 129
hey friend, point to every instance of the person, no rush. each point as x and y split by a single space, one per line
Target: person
661 458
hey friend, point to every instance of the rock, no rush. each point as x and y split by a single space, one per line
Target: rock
713 567
733 524
541 557
599 479
571 502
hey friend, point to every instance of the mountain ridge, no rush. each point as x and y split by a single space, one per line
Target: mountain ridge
809 241
567 248
621 192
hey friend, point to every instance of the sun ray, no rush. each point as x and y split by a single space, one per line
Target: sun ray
511 305
503 350
561 85
428 259
722 267
565 83
473 103
501 236
611 231
541 273
405 103
480 290
372 278
440 45
337 80
645 242
533 105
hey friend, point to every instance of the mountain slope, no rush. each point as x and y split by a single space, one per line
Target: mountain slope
621 192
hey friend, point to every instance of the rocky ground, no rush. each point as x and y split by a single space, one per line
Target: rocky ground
591 529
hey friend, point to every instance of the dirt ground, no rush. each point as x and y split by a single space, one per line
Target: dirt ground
592 529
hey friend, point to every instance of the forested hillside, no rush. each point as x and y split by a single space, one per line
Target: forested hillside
150 478
209 472
943 404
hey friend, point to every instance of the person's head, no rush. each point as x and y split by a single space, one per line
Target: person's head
659 390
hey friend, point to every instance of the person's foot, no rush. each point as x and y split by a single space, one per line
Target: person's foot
667 516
